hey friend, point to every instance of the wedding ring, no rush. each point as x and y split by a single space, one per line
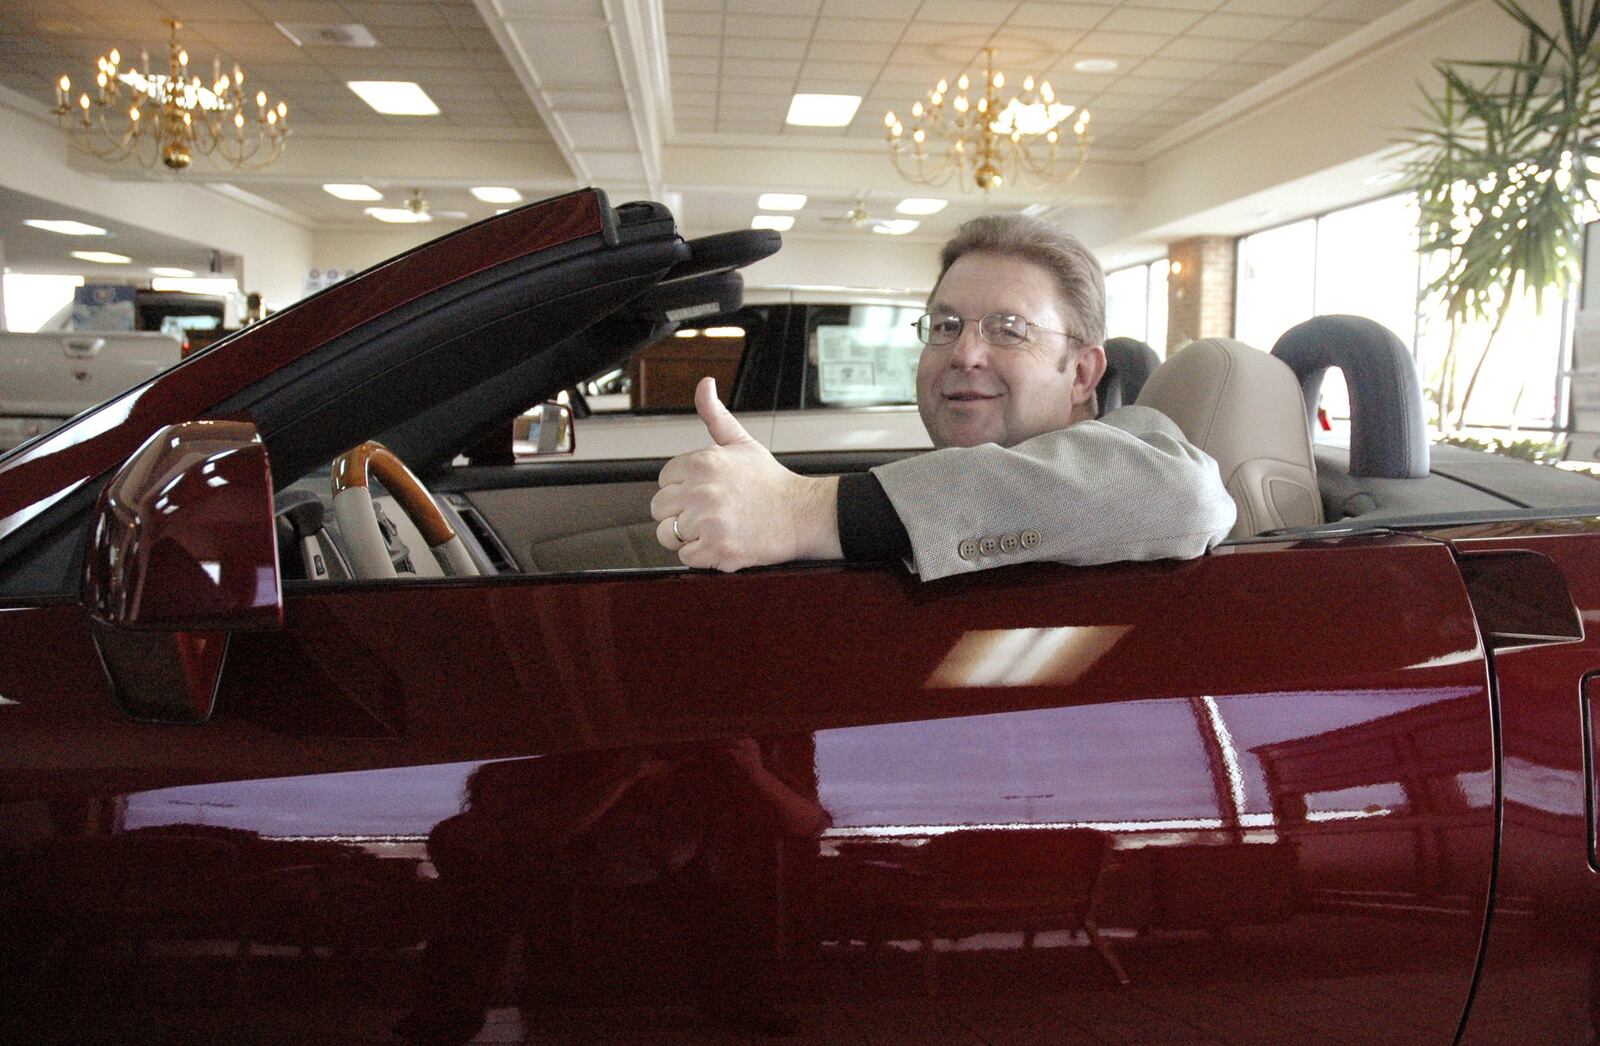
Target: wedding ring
678 533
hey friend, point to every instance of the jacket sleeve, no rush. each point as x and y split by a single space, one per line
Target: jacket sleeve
1126 487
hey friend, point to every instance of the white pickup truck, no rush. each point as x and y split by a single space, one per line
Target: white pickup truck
48 377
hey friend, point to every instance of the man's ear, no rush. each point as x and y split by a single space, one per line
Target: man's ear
1087 369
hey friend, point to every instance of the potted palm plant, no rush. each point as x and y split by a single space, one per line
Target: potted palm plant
1504 171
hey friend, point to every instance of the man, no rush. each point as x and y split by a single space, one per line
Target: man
1021 471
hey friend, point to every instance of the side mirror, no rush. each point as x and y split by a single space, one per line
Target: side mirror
183 552
545 430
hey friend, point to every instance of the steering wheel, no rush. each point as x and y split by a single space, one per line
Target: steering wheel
358 521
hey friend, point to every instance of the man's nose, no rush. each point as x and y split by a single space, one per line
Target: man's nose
970 350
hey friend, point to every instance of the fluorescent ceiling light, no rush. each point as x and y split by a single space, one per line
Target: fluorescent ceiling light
780 201
823 110
896 227
724 332
348 191
177 274
395 97
496 194
399 215
780 222
65 228
102 257
219 285
1096 65
921 205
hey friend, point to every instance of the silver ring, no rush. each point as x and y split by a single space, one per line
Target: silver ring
677 533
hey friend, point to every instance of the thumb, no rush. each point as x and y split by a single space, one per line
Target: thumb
723 426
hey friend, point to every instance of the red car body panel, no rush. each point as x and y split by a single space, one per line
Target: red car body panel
1346 668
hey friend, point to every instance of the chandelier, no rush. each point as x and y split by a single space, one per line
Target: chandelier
985 141
170 118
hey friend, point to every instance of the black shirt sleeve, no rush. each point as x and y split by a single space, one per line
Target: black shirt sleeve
870 530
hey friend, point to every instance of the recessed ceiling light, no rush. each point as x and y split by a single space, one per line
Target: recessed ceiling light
349 191
1383 178
65 228
1096 65
165 270
399 215
896 227
102 257
823 110
780 222
781 201
920 205
394 97
496 194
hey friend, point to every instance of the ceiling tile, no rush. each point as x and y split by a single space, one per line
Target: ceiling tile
779 7
1275 53
975 12
1294 8
373 15
694 24
877 9
693 5
1144 20
1240 27
749 47
697 65
1060 16
759 66
1204 48
1102 43
1355 10
1175 68
1317 32
1244 73
769 26
683 45
843 51
857 29
734 85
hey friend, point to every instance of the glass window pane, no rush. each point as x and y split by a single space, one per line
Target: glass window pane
1158 307
1275 281
862 356
1127 303
1367 264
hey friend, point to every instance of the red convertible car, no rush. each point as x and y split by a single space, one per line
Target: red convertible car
324 719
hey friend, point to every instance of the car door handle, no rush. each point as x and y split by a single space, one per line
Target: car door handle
1520 598
85 346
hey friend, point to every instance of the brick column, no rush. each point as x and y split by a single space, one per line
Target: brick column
1200 280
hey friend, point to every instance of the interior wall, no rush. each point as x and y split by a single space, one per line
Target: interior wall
877 261
275 252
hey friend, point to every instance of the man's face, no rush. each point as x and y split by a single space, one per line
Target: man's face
970 392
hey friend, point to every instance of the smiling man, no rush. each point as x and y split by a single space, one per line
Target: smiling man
1023 471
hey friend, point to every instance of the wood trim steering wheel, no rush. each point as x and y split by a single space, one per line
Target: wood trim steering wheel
358 522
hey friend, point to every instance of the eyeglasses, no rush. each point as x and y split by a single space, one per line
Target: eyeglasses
1003 330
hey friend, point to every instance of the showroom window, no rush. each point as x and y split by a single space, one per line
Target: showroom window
1136 304
1364 260
32 298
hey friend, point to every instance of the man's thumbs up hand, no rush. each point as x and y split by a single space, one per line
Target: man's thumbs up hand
732 505
724 427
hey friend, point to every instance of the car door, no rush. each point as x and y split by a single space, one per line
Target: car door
1256 787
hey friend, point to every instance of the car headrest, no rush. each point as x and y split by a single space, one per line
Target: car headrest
1388 430
1129 364
1243 407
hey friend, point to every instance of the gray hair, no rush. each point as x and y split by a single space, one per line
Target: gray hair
1078 276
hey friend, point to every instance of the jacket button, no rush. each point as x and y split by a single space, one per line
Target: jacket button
1009 543
968 549
988 546
1030 539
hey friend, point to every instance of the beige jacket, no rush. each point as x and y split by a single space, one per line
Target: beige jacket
1125 487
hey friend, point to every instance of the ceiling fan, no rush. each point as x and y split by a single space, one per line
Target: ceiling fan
857 216
419 206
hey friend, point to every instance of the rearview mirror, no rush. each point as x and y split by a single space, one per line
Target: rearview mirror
545 430
183 552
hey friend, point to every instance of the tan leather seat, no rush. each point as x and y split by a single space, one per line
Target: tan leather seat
1244 408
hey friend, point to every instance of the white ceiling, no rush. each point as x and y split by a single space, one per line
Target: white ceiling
685 99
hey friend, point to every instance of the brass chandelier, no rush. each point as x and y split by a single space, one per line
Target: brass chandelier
170 118
988 142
